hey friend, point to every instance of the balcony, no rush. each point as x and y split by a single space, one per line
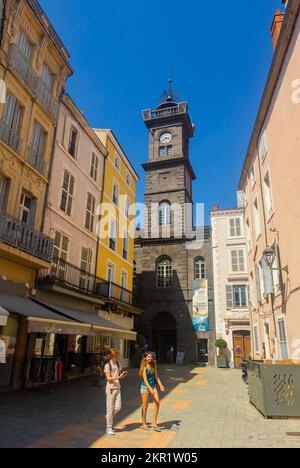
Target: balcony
67 275
36 160
24 69
10 137
180 108
20 236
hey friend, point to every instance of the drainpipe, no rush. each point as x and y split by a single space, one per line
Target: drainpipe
266 240
98 233
2 20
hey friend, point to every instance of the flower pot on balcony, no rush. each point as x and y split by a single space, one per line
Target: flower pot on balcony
274 389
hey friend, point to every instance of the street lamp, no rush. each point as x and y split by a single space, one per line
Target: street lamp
269 256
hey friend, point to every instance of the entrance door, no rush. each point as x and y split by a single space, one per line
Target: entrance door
241 347
164 337
202 346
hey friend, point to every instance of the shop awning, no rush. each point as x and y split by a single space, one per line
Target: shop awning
41 319
99 324
3 317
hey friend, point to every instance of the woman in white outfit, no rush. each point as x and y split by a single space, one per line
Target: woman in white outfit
114 373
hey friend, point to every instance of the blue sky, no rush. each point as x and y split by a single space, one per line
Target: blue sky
220 53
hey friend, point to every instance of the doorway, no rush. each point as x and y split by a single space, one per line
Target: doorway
241 347
164 337
202 351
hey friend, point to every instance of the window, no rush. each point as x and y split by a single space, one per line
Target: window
67 193
73 142
277 279
126 349
235 227
90 212
125 245
4 191
256 219
116 192
128 179
284 352
240 296
164 214
11 123
61 246
262 146
111 279
85 266
268 195
37 147
238 261
117 163
162 151
123 287
113 234
24 46
127 206
134 270
45 86
170 151
256 339
47 77
94 167
200 268
252 176
248 235
27 209
164 272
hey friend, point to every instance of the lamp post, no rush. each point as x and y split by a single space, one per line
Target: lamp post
269 256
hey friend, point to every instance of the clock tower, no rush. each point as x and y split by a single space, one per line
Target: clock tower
167 260
169 173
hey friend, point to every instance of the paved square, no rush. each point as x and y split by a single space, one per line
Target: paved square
201 408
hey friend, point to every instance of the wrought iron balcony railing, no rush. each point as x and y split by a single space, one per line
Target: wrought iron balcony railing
24 69
68 275
36 160
10 137
17 234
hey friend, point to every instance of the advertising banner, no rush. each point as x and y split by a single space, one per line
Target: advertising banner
200 306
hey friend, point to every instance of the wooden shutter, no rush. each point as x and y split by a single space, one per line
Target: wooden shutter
268 278
229 297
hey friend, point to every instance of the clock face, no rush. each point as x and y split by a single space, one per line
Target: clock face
166 138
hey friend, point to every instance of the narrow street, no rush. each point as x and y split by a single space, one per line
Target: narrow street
201 408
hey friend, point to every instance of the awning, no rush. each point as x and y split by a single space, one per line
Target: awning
41 319
99 324
3 317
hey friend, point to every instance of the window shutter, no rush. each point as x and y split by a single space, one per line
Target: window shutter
229 297
258 288
268 278
263 150
32 212
67 130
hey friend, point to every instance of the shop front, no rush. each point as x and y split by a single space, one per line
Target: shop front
41 343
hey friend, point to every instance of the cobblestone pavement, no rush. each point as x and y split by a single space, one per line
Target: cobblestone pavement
201 408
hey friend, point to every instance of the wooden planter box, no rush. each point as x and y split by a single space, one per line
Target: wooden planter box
222 362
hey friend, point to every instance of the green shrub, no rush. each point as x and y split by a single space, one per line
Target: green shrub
221 344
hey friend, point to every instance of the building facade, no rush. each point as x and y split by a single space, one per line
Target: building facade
173 267
270 181
231 284
116 236
34 66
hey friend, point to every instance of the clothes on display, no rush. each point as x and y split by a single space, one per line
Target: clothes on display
2 352
46 370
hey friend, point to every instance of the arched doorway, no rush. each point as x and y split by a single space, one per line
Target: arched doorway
164 336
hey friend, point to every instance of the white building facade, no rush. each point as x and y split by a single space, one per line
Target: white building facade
231 282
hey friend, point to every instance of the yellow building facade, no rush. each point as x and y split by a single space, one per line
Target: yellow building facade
116 228
34 66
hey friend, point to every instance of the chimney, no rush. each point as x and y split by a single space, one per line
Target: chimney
216 208
277 24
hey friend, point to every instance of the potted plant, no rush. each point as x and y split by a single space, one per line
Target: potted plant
222 362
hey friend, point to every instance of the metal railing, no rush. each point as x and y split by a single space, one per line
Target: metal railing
73 277
180 108
17 234
10 137
36 160
24 69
